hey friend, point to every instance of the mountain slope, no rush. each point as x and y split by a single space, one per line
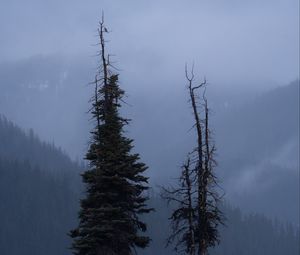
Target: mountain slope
243 234
36 210
258 146
49 94
39 193
39 206
16 144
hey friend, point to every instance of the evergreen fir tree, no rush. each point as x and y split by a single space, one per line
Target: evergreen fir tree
115 182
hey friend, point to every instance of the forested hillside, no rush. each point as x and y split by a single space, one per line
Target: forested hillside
39 206
242 234
36 210
16 144
258 145
39 187
149 127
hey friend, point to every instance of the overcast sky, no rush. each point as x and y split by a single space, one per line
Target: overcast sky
230 41
245 43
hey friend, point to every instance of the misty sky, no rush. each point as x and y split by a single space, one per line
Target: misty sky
247 43
230 41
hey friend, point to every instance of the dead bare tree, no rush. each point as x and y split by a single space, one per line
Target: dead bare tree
209 215
183 217
195 221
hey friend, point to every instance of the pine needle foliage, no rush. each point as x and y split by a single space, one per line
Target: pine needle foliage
109 218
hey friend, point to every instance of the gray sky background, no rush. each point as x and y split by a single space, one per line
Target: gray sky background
230 41
252 44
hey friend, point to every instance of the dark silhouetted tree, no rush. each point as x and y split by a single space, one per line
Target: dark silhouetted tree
183 217
197 216
115 182
209 215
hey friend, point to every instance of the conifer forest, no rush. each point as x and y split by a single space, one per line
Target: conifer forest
149 127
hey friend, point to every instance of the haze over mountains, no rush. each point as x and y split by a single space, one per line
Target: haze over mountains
39 205
257 150
249 53
39 192
262 163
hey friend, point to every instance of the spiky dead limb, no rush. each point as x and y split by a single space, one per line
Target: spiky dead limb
183 217
197 216
209 215
201 190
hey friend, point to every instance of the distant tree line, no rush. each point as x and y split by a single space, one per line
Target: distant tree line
37 209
